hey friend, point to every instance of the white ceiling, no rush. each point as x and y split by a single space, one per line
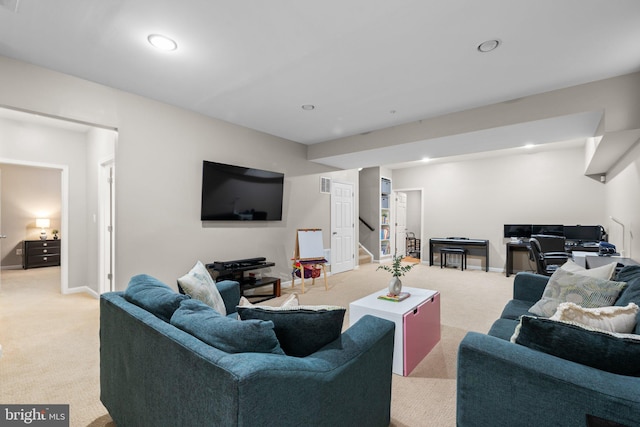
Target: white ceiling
363 64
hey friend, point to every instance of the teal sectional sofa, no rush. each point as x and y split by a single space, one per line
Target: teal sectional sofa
581 378
153 373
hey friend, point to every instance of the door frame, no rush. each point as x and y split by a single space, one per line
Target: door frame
64 213
106 237
420 190
395 225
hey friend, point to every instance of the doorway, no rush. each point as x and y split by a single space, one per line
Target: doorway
28 209
400 215
79 150
409 214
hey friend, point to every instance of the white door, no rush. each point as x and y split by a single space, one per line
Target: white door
342 228
401 223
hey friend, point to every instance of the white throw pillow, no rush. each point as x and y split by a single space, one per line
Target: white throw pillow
199 285
612 319
605 272
290 301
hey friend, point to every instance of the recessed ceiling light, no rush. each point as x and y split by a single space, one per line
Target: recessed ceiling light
308 107
488 46
162 42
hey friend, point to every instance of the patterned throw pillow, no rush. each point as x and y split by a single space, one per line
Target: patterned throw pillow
290 301
588 292
199 285
611 319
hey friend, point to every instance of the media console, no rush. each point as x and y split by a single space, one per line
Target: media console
236 269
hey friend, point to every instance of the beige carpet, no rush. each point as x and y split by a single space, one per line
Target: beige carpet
50 341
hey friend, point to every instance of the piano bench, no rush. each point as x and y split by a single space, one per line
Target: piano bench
455 251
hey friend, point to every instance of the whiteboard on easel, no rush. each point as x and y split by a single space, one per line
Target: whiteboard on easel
309 244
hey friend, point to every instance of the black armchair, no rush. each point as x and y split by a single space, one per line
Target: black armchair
547 260
549 243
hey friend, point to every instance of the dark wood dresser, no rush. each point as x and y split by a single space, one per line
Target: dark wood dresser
40 253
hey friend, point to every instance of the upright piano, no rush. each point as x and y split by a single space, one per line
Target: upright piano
474 247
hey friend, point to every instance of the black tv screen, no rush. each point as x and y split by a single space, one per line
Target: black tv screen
548 229
583 233
517 230
236 193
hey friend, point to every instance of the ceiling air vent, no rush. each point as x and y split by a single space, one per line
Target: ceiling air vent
325 185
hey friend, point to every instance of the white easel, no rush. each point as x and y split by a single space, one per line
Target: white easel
309 255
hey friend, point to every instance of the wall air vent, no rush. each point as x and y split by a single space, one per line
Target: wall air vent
325 185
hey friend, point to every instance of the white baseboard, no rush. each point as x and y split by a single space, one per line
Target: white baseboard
11 267
85 289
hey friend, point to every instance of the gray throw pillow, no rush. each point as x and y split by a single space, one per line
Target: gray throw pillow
631 275
616 353
224 333
588 292
301 330
153 295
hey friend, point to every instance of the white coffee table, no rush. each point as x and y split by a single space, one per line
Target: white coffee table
417 320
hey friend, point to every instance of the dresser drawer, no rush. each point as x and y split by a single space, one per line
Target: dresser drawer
44 260
42 244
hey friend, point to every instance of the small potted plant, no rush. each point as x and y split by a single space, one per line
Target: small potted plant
397 270
55 234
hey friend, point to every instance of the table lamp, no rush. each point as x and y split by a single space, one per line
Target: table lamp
43 223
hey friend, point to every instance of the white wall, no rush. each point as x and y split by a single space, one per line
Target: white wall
100 148
58 147
158 166
159 156
82 153
475 198
623 203
369 208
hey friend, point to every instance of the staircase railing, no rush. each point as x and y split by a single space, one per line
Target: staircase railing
366 224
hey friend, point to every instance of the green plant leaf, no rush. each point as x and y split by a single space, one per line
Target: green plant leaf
396 268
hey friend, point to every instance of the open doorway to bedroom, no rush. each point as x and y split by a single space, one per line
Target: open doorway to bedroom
77 152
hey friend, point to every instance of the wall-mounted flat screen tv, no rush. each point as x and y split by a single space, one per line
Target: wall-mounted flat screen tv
236 193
